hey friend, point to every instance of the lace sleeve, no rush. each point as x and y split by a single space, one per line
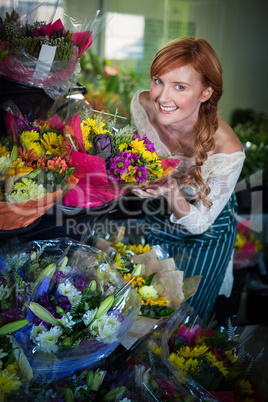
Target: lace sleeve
222 183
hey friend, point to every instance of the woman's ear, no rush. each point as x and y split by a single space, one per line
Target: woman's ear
206 94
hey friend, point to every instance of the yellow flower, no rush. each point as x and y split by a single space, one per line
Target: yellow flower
140 249
36 147
13 368
8 381
53 143
118 261
87 142
148 291
123 147
150 156
178 361
127 277
28 137
211 358
185 351
154 347
138 146
3 150
245 387
129 177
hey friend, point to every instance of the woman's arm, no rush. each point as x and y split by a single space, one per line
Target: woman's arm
195 217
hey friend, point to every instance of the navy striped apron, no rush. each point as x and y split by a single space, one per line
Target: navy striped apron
207 254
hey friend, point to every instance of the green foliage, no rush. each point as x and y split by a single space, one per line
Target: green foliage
252 129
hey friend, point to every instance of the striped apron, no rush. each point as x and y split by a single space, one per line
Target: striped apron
207 254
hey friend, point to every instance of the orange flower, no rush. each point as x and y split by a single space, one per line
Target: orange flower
28 157
57 163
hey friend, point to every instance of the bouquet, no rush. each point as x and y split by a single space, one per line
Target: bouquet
65 305
34 172
109 161
39 54
212 360
161 288
247 248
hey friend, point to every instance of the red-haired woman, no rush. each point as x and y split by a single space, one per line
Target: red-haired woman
192 215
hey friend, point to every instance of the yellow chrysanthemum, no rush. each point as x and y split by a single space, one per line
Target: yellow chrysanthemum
87 142
178 361
150 156
139 249
3 150
185 351
123 147
138 281
245 387
8 381
127 277
118 261
138 146
154 347
53 143
43 127
36 147
211 358
28 137
129 177
160 301
13 368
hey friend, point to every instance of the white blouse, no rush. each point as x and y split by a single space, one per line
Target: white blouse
220 171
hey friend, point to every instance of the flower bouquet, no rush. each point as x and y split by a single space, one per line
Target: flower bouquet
65 305
247 248
111 162
34 173
212 360
161 288
14 367
39 54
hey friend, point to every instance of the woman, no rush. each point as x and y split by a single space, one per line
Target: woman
193 214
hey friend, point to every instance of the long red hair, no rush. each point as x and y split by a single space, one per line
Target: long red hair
198 53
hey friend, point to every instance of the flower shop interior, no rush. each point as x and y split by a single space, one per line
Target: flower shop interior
92 336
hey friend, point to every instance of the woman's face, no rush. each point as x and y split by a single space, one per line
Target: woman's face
177 96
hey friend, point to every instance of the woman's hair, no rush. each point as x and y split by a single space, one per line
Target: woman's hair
198 53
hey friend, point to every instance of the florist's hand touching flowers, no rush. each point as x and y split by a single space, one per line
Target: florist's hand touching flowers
193 219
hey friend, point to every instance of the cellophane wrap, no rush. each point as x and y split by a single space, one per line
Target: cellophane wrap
83 260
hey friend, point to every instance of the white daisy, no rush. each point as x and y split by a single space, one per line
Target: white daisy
67 320
89 315
105 328
47 340
68 289
36 331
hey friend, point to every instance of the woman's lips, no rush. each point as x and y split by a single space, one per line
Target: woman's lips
167 109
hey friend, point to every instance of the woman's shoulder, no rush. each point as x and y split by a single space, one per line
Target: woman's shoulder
226 140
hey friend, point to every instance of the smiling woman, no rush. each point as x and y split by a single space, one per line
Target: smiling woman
193 215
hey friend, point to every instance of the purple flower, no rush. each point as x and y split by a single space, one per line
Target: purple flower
119 165
103 145
149 145
60 277
11 314
141 174
64 303
81 282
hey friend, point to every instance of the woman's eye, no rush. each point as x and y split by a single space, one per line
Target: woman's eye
157 81
180 87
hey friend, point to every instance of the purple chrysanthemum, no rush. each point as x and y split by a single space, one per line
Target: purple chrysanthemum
149 145
11 314
141 174
81 282
119 165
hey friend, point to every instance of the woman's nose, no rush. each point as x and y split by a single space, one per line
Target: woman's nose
164 95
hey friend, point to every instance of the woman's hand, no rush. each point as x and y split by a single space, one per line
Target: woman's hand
160 189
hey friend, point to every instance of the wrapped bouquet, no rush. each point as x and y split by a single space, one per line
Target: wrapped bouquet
109 161
34 171
40 54
161 288
65 305
247 247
